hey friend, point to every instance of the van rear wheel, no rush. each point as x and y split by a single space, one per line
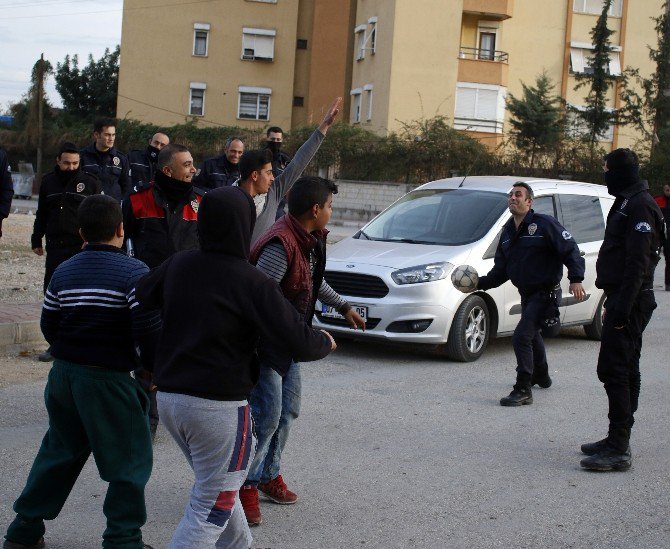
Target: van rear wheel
469 333
595 329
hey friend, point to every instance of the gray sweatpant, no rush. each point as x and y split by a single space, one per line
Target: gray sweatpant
218 442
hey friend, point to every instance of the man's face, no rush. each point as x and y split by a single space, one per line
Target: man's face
323 213
181 167
104 140
277 137
159 141
234 151
262 179
666 190
68 162
518 202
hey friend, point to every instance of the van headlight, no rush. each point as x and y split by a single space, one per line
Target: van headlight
422 273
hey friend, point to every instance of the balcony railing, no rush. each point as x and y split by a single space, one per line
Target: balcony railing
483 55
478 125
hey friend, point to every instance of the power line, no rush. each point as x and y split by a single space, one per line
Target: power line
14 5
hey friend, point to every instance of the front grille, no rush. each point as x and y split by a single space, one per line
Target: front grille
356 285
370 323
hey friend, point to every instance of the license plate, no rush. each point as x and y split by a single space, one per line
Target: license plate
330 312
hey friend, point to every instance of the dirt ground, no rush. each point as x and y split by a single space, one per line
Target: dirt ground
21 271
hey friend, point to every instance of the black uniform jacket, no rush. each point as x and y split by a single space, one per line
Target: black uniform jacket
630 250
111 168
142 168
158 231
217 172
6 186
533 256
61 193
215 305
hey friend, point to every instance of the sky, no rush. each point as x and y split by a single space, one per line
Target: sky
56 28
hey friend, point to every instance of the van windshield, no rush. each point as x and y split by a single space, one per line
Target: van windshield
447 217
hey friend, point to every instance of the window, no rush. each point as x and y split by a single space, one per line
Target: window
254 103
359 31
487 34
366 38
596 7
298 101
368 93
258 44
582 217
200 39
301 44
479 107
372 35
577 127
355 105
581 59
197 103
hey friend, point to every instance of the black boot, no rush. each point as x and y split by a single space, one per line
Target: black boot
521 393
543 381
592 448
608 459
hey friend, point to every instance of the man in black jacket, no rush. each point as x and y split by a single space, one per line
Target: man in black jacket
224 170
104 161
215 305
531 253
6 188
625 271
274 139
143 161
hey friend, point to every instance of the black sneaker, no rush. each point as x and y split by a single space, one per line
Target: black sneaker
591 448
13 545
518 397
544 382
45 356
608 459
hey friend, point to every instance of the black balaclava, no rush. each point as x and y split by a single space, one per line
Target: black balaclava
175 191
153 154
226 219
623 171
275 148
66 176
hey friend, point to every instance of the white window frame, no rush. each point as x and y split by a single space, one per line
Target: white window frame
372 33
359 41
356 105
487 27
575 127
259 92
201 27
249 38
581 6
579 58
197 86
477 123
368 90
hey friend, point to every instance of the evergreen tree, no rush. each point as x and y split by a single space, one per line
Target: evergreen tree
536 118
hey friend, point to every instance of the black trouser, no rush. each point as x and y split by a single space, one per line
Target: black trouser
619 365
527 339
55 256
666 253
145 383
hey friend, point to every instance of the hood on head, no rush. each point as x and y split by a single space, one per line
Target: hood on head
226 219
623 171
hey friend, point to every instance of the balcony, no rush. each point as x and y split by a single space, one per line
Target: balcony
483 66
491 9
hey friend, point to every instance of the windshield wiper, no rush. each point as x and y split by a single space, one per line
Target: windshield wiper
409 241
363 233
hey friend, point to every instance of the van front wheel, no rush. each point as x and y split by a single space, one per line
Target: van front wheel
469 333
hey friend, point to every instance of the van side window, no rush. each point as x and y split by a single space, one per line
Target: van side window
544 205
583 217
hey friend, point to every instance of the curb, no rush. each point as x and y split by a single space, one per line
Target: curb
21 336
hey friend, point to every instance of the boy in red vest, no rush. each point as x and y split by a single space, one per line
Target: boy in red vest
292 252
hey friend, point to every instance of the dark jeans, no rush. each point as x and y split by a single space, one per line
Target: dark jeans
56 256
527 339
666 253
619 365
91 410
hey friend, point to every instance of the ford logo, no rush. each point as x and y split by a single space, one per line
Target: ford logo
350 266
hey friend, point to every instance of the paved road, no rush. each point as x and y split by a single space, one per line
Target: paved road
397 447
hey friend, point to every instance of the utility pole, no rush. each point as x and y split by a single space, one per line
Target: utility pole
40 113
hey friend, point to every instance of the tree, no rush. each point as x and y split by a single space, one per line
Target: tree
92 90
596 116
536 117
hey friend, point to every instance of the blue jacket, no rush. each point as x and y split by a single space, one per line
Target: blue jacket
217 172
111 168
533 256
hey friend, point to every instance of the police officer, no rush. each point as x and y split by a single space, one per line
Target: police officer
531 253
143 161
104 161
224 170
6 188
625 271
161 220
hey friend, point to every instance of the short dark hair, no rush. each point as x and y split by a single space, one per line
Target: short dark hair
526 186
230 140
307 191
67 147
620 159
101 123
167 153
274 129
98 216
252 161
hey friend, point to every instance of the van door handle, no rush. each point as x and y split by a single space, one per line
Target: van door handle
582 253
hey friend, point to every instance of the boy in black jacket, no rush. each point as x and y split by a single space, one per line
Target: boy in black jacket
215 305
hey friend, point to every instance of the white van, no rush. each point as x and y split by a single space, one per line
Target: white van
396 270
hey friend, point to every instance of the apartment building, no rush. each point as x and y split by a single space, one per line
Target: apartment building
251 63
461 58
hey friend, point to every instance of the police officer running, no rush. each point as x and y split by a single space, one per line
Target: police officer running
625 271
531 253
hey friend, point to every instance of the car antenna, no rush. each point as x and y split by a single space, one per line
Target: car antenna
467 173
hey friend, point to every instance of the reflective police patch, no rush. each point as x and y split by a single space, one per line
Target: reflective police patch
532 228
80 187
566 235
197 172
643 227
116 160
623 204
195 204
